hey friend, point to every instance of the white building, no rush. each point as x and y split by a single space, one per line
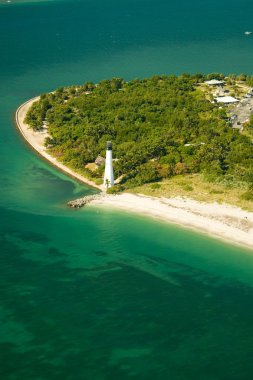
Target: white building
226 99
108 177
214 82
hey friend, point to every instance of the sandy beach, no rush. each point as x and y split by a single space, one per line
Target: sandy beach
36 140
221 221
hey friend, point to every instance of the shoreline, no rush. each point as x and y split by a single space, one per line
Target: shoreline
223 222
36 141
228 223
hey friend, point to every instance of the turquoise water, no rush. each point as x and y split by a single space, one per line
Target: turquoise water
100 294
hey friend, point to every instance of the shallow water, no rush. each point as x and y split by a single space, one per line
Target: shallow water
100 294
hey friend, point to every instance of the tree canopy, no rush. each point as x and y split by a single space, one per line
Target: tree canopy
160 127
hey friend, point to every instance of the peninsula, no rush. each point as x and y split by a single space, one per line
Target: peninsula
176 149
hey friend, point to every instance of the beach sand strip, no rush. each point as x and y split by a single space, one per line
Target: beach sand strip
221 221
36 140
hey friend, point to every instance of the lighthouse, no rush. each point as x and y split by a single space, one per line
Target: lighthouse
108 177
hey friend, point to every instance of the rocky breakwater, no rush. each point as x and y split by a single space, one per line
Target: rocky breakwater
78 203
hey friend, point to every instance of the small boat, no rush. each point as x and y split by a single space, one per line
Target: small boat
247 33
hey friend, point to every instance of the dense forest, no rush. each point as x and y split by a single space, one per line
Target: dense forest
160 127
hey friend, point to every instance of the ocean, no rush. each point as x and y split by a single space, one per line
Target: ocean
102 294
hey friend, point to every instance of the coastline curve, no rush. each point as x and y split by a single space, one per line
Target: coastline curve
221 221
36 142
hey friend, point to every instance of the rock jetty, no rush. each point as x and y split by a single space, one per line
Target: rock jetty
78 203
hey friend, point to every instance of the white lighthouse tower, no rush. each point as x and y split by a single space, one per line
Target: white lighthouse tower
108 177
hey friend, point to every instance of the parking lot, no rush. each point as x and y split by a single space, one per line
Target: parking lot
241 112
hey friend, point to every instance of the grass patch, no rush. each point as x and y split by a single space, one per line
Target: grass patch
187 187
196 187
248 195
155 186
215 191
